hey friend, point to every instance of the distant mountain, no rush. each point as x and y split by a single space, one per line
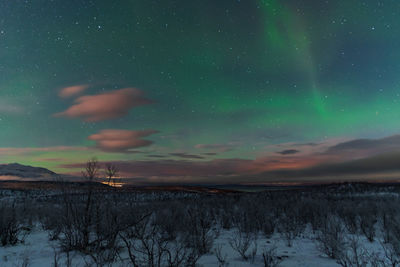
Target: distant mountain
22 171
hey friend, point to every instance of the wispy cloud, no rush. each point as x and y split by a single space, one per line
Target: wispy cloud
121 141
215 147
288 151
367 146
330 161
28 150
379 166
156 156
72 90
109 105
185 168
186 156
7 108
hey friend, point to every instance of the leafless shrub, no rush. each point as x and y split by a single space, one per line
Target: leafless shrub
56 258
142 243
50 221
200 233
177 254
241 243
388 222
268 226
248 217
392 253
24 261
367 226
242 220
375 260
354 255
226 217
107 222
74 225
290 228
391 229
331 237
170 220
253 252
350 218
68 259
270 257
176 257
367 213
222 258
146 246
11 229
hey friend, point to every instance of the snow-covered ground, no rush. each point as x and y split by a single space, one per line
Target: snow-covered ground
38 251
179 211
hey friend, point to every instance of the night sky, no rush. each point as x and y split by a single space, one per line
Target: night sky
227 91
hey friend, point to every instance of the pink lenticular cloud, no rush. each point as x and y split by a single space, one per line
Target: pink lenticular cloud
121 141
109 105
72 90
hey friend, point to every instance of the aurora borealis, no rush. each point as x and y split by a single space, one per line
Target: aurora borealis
227 91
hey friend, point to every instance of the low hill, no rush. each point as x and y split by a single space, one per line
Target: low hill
19 171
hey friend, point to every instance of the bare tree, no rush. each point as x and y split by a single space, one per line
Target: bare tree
355 255
331 237
111 171
91 170
241 243
78 210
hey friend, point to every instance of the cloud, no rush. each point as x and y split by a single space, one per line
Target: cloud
307 144
186 156
72 90
352 159
28 150
51 159
254 171
156 156
182 168
372 145
109 105
375 166
328 162
288 152
215 147
231 170
355 159
121 141
6 108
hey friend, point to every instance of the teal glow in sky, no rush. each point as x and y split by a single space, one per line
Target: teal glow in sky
202 91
